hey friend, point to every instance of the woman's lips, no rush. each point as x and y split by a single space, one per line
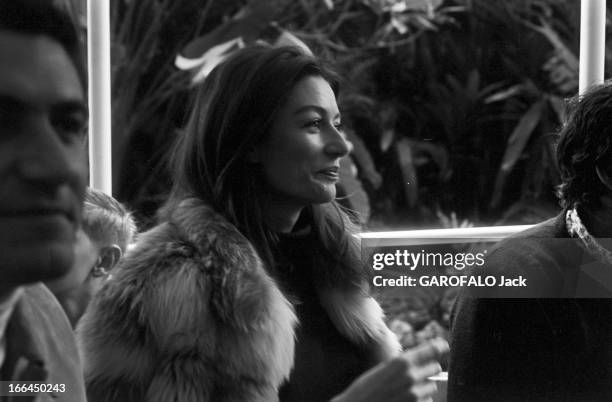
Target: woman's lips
331 173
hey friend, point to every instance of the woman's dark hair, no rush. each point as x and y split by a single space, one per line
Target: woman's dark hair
45 17
584 144
234 110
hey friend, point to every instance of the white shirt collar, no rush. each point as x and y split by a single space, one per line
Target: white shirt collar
7 305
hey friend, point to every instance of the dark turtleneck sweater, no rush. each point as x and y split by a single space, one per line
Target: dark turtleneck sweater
325 361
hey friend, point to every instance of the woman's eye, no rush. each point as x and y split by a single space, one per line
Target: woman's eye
339 126
313 124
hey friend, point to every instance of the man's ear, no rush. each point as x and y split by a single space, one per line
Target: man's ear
109 257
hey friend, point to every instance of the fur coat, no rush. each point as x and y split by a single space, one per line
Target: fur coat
191 314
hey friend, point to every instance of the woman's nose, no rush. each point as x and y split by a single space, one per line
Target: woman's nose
337 145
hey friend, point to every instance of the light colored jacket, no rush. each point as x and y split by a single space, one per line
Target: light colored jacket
40 347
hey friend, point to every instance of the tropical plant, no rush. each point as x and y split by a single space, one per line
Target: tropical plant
457 99
497 76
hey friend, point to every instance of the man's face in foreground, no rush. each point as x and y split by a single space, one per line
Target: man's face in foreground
43 122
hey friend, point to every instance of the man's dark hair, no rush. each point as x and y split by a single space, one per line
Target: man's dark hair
44 17
585 143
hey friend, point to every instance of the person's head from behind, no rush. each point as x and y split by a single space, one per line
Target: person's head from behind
43 120
584 151
263 141
106 231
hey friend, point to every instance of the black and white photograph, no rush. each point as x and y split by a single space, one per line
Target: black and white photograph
305 201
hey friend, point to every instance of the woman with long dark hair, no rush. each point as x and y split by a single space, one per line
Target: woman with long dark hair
252 287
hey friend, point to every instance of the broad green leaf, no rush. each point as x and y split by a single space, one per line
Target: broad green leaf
417 5
515 146
210 59
520 135
505 94
403 152
329 4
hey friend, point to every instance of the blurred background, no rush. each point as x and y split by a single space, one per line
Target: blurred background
451 105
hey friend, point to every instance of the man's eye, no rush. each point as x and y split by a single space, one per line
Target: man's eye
10 117
7 120
71 127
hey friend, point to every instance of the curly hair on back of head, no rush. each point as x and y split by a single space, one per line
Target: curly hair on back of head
585 142
106 220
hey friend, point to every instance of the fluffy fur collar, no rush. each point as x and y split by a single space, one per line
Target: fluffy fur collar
191 314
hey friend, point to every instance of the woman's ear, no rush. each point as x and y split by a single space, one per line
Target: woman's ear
109 257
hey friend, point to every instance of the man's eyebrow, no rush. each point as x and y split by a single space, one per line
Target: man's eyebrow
13 103
71 106
308 108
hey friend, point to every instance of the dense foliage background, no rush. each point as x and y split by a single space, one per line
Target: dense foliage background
453 103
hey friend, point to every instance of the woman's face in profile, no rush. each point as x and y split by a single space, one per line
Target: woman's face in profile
301 155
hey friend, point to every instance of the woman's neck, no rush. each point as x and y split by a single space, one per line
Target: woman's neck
281 216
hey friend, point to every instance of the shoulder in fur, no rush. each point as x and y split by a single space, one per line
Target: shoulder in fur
198 239
192 286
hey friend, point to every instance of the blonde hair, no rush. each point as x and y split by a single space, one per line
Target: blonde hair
106 221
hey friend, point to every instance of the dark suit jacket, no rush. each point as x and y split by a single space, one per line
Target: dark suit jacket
41 347
556 347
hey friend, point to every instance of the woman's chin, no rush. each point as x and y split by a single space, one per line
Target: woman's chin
324 196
